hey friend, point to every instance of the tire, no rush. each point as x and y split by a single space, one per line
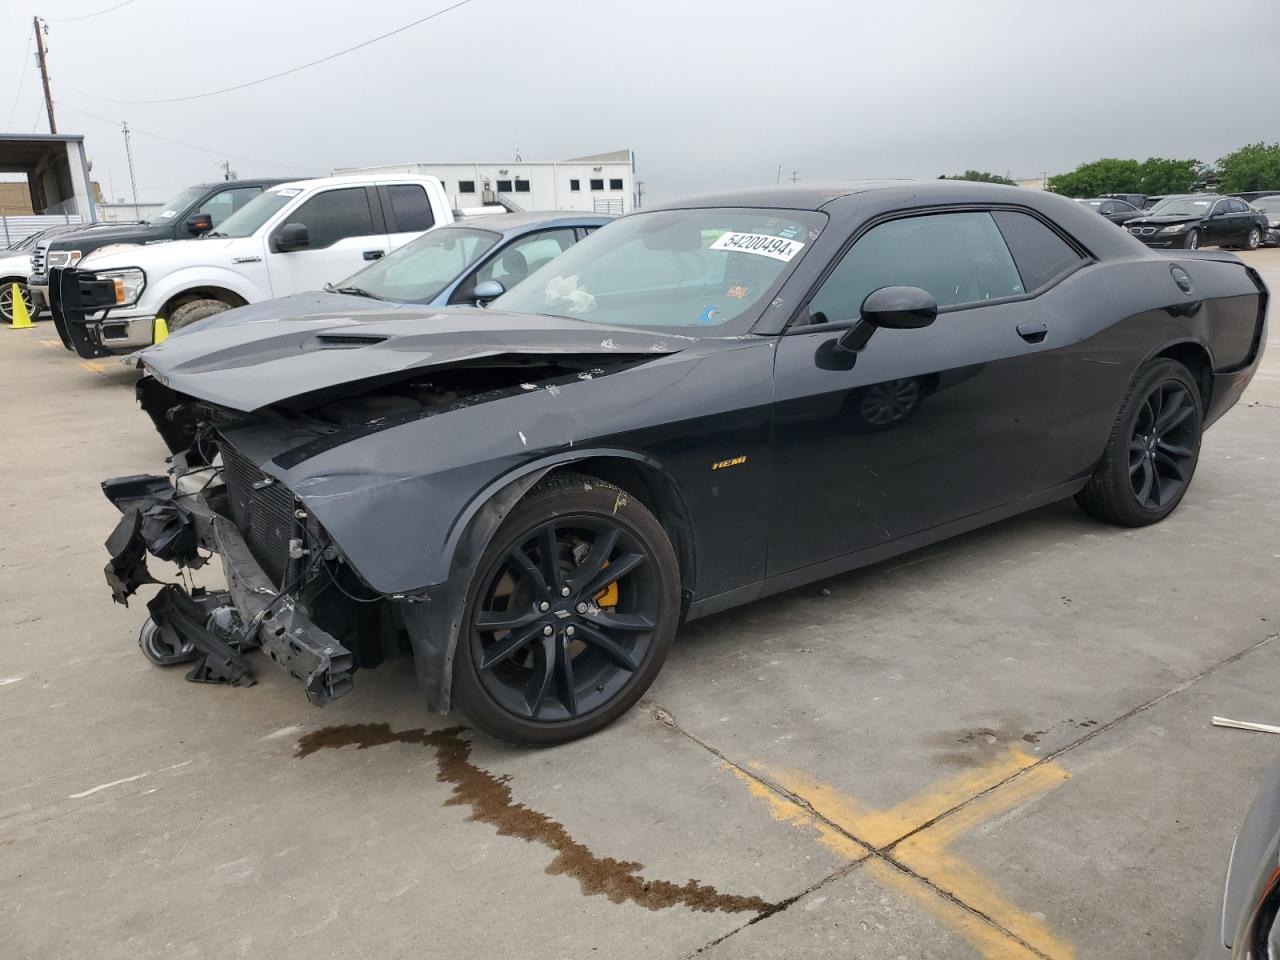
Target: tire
6 300
194 310
1192 240
1254 240
558 673
1151 455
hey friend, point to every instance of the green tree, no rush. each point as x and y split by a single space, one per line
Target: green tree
1108 175
1255 166
981 176
1161 176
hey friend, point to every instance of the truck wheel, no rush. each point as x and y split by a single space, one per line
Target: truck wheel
1151 455
570 614
6 300
194 310
1192 240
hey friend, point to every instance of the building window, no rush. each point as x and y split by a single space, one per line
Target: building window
615 183
575 185
597 184
522 186
504 186
466 186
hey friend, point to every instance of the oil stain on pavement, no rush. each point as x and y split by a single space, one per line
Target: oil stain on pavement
491 802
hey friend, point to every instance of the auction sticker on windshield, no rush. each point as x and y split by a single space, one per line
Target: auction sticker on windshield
759 243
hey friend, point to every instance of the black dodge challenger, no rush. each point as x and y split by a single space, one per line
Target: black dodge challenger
695 407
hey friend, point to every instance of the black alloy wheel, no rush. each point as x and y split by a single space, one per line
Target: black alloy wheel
570 616
1163 445
1152 453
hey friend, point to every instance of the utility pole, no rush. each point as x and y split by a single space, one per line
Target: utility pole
44 73
128 152
227 172
795 175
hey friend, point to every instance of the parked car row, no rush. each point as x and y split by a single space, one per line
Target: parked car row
1190 221
290 238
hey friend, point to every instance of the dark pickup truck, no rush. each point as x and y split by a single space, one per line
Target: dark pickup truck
193 212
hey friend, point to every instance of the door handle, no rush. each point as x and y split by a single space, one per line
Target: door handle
372 254
1032 331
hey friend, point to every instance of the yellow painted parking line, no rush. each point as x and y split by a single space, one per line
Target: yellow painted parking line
909 844
786 811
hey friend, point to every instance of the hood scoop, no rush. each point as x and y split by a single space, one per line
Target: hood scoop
347 341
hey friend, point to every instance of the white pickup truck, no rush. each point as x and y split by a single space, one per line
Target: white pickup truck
293 237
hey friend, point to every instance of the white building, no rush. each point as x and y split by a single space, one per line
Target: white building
600 183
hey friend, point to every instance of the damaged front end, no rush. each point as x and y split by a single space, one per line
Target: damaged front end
175 521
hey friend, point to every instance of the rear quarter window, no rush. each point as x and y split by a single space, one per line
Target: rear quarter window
1040 254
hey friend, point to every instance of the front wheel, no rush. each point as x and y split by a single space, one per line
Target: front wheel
1192 240
1151 455
194 310
570 614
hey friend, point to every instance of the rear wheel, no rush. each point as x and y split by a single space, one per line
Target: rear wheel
194 310
1152 453
570 615
1192 240
1254 240
6 300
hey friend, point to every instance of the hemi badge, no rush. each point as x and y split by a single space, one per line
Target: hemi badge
731 462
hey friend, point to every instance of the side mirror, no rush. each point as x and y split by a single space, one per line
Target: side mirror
292 236
893 308
487 290
198 224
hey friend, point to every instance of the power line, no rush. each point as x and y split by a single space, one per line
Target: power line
283 73
88 16
26 63
190 146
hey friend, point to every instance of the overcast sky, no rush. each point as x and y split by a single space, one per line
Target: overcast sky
710 94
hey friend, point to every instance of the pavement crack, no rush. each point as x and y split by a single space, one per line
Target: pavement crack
881 854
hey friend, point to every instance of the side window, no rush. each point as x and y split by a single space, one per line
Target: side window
410 207
224 204
1109 207
1039 253
1218 208
335 215
526 255
960 258
1237 206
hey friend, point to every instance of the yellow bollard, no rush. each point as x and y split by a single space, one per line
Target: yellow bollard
21 319
159 331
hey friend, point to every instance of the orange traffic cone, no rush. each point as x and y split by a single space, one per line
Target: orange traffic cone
21 319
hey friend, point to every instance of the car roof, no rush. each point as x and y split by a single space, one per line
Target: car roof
787 197
531 220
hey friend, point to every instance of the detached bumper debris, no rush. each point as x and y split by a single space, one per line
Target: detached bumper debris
213 628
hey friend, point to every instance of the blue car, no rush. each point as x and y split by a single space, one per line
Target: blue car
471 261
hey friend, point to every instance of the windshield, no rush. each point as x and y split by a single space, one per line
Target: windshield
246 221
1182 207
692 271
1092 203
179 202
418 271
1268 205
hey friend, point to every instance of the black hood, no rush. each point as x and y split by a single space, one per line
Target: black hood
263 354
1159 221
101 236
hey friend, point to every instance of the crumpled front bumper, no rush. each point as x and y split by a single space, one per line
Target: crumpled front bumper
219 626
